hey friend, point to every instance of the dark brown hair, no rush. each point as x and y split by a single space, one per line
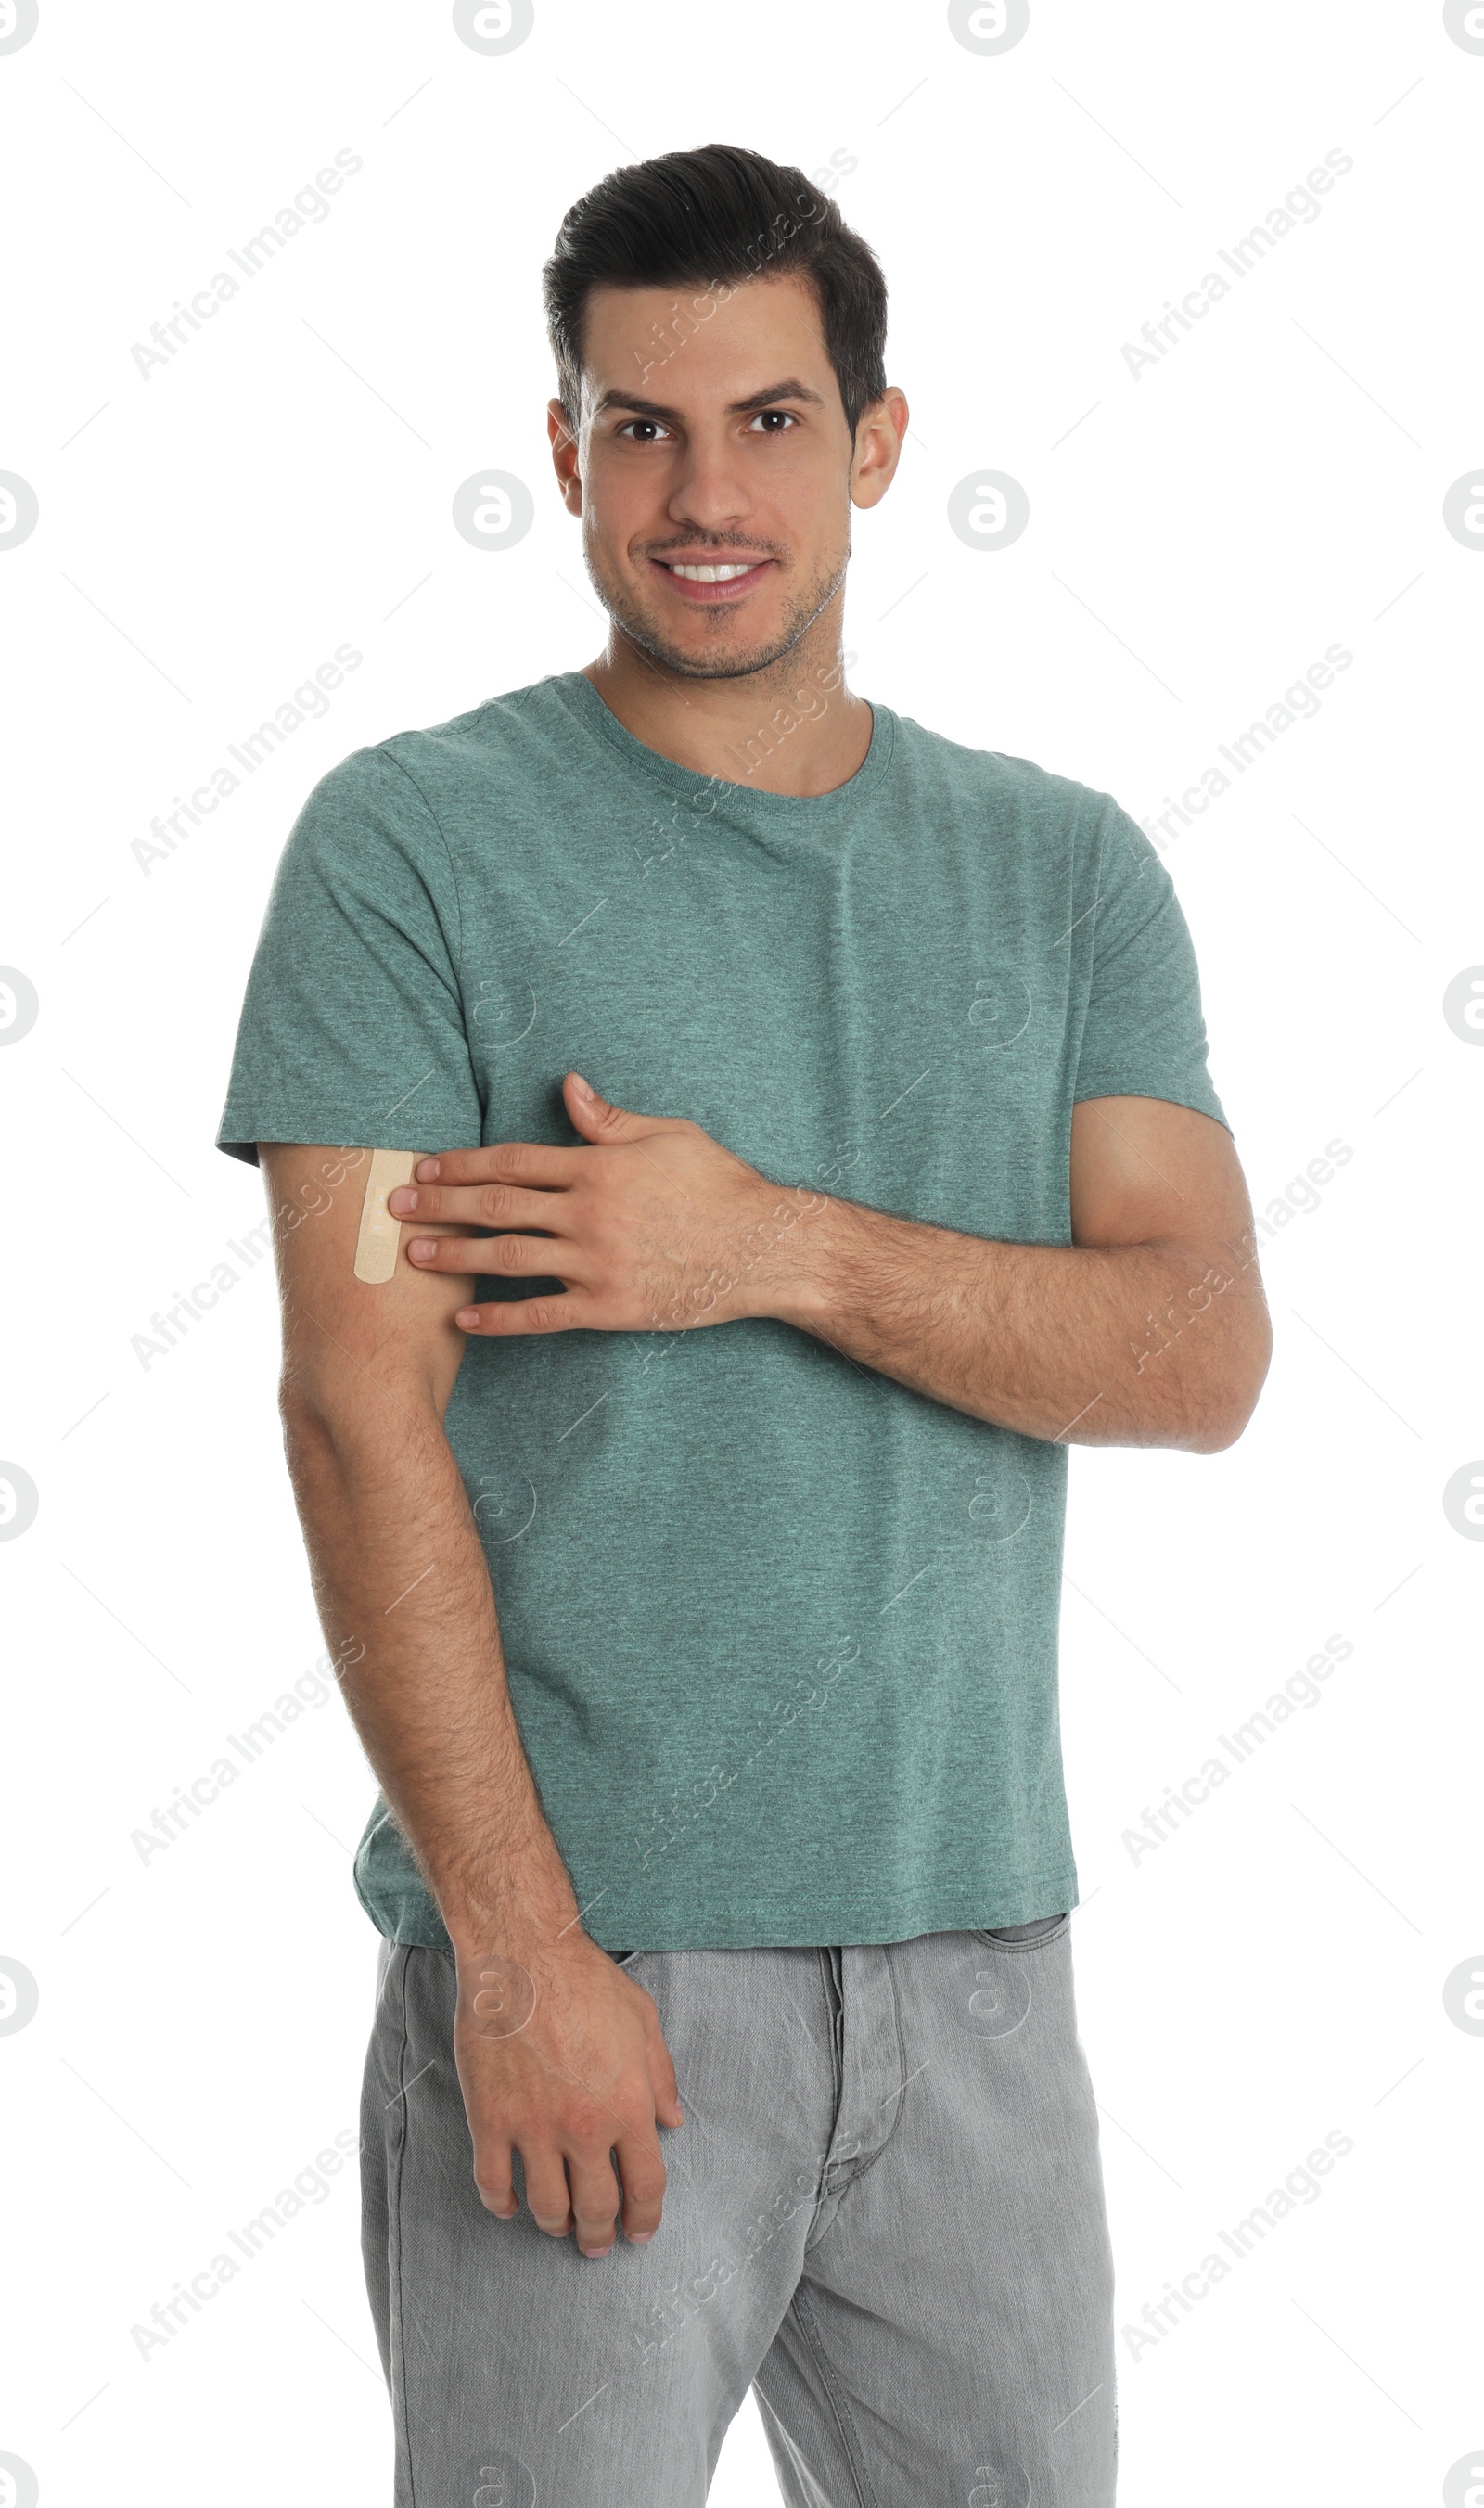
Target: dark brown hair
704 216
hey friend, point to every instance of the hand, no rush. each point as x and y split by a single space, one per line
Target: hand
651 1225
561 2057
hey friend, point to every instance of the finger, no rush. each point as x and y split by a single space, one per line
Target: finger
527 1162
595 2198
493 2180
523 1256
642 2175
597 1118
512 1316
546 2196
475 1205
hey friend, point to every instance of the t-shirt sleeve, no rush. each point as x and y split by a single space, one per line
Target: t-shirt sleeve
1143 1034
352 1029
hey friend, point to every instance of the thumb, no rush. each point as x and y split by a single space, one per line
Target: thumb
594 1118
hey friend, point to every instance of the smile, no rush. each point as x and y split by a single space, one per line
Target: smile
712 579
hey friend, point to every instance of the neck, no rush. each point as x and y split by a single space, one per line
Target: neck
791 727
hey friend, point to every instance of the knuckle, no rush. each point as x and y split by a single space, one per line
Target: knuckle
634 2109
491 1202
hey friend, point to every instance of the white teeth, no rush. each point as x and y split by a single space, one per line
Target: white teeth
713 573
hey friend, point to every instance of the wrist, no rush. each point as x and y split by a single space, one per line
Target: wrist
797 1282
510 1929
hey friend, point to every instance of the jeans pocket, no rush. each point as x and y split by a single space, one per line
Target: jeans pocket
1027 1938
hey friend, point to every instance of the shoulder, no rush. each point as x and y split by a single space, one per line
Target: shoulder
1013 788
427 753
401 792
1006 784
487 738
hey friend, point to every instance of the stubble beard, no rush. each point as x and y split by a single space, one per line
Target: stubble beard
800 610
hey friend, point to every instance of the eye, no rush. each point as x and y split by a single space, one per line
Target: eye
653 423
787 416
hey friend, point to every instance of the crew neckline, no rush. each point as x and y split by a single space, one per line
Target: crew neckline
577 693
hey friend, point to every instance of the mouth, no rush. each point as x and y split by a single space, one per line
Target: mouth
709 580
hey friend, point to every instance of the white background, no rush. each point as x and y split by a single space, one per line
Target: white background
1198 537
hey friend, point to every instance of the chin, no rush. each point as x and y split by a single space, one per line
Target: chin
715 656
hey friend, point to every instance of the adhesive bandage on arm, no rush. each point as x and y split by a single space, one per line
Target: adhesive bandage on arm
380 1234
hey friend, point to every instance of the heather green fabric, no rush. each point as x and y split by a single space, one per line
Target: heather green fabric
781 1634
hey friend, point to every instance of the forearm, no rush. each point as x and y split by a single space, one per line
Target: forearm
404 1594
1162 1343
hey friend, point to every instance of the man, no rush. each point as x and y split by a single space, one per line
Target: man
819 1140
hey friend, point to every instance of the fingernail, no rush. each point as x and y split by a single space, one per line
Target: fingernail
467 1316
427 1171
422 1250
402 1200
583 1090
639 2237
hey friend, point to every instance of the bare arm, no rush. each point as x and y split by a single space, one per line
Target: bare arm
578 2063
1150 1329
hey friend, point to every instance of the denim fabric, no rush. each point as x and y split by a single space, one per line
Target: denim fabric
884 2213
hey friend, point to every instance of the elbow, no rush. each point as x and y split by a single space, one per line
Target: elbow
311 1439
1213 1436
1231 1404
324 1419
345 1429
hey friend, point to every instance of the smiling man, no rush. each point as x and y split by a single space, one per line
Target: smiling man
807 1138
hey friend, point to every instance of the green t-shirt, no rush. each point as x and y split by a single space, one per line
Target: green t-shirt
781 1634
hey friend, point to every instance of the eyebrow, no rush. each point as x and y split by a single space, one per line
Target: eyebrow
792 389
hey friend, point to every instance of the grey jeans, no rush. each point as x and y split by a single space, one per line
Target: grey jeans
884 2214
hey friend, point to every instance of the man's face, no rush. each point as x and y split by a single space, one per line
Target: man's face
724 444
